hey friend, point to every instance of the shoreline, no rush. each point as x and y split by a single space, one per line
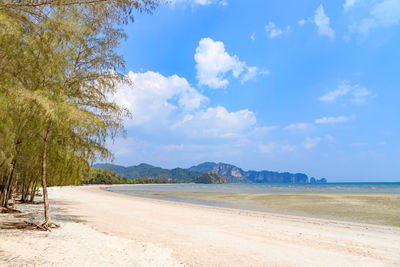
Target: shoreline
198 235
357 207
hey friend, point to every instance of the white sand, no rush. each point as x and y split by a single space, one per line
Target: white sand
104 228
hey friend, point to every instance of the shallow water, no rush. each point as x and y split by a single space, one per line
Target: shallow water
372 188
377 203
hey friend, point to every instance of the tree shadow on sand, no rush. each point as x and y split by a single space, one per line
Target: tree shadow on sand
28 216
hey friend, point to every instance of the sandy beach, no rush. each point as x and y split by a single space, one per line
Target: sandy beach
100 228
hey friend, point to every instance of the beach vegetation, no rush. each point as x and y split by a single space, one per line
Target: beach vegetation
210 178
106 176
58 67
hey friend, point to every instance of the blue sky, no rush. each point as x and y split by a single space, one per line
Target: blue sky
299 86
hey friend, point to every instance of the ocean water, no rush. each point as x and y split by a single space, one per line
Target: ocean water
365 188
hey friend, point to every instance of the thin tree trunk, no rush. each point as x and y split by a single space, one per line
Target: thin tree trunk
3 189
24 190
33 192
44 184
5 194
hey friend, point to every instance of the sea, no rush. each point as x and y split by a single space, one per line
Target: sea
372 188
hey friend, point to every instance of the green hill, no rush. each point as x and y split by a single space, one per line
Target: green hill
146 170
230 172
210 178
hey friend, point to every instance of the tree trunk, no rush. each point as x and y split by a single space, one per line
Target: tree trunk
3 189
5 194
44 184
33 192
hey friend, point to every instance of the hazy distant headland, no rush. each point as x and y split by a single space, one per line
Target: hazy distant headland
231 173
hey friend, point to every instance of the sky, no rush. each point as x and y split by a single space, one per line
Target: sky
299 86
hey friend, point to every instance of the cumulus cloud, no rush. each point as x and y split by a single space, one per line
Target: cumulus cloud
299 127
382 14
169 105
353 93
216 122
272 30
213 64
153 97
333 120
323 23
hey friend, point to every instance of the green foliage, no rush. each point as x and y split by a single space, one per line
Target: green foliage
146 170
105 176
148 180
100 176
58 66
210 178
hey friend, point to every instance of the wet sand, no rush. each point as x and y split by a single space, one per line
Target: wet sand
381 209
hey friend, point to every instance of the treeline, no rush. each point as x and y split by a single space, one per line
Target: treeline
105 176
58 67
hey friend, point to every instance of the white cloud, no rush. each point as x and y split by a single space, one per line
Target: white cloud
331 96
250 74
262 131
349 3
253 36
216 122
299 127
362 27
310 143
323 23
352 93
170 106
272 30
382 14
153 97
202 2
332 120
223 3
360 94
387 12
301 22
272 147
213 63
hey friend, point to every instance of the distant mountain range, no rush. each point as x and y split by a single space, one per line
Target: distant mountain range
237 175
232 173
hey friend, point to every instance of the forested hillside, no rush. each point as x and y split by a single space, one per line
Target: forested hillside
231 173
146 170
